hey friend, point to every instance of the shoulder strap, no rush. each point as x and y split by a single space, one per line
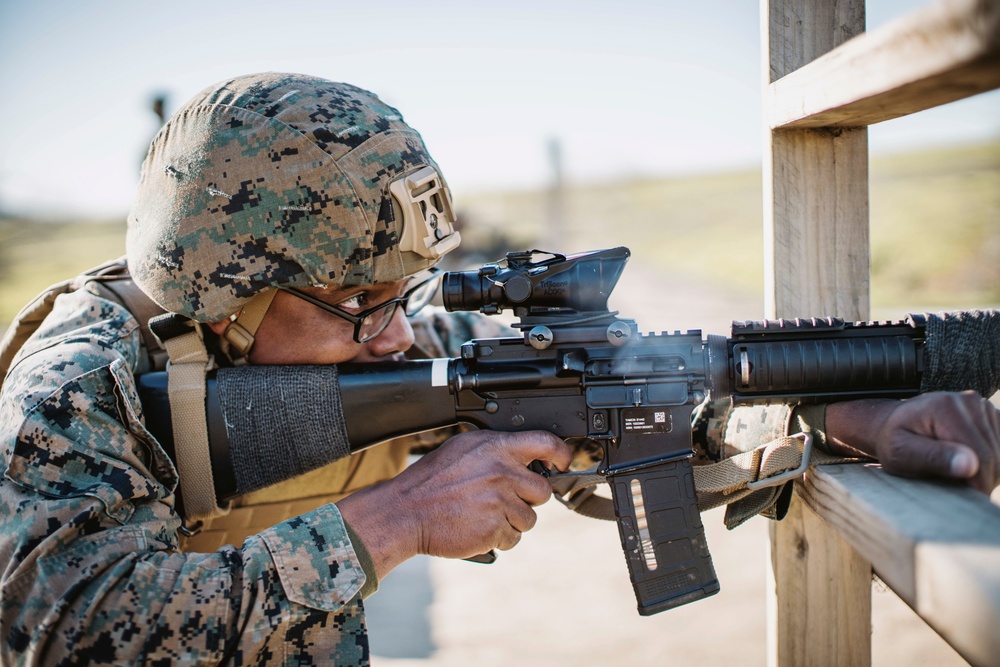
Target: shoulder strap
189 364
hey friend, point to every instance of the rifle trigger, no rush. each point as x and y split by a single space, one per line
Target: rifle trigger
539 467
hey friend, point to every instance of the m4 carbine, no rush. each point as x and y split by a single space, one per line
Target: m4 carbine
585 374
581 372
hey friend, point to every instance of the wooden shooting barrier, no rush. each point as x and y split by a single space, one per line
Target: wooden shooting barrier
936 546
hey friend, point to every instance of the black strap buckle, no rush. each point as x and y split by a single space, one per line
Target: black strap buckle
190 530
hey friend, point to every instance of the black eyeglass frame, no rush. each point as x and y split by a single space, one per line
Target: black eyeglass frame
359 319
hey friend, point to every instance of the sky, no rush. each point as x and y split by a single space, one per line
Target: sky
628 88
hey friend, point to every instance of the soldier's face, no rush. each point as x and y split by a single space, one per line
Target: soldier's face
295 331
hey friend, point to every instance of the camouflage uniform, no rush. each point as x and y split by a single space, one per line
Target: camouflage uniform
90 543
260 182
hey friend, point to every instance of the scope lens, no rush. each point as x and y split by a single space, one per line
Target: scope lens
463 290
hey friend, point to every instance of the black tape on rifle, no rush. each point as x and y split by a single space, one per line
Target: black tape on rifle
281 421
963 352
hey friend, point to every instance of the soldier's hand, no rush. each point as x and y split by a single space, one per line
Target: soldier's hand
472 494
948 435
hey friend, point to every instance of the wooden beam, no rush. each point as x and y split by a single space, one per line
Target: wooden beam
799 31
936 545
943 52
816 245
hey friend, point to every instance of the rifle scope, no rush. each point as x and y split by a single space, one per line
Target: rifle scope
559 284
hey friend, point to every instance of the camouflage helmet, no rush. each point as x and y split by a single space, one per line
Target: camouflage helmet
283 180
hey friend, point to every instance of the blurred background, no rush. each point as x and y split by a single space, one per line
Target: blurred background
566 125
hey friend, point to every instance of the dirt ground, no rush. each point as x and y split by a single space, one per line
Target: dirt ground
563 597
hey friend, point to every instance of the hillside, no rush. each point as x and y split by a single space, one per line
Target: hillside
935 229
935 225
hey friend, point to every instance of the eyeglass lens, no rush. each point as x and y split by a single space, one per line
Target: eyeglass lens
414 300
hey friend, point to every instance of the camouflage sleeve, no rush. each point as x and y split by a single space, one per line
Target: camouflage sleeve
750 426
722 430
707 430
91 569
440 334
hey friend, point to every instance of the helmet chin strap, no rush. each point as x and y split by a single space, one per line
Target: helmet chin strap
239 333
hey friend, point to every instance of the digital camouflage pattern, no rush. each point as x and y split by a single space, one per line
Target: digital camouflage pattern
440 334
308 204
92 573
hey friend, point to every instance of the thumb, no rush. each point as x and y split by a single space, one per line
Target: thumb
916 455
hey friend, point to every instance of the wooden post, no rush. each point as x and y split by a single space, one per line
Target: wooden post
816 264
815 179
819 603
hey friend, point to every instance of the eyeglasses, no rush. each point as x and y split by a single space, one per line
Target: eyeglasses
371 322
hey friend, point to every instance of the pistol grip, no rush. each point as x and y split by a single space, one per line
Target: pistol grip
662 536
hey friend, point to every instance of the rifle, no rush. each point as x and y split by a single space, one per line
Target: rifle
581 372
585 374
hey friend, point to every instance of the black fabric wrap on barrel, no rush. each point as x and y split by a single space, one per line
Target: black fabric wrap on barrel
963 352
281 421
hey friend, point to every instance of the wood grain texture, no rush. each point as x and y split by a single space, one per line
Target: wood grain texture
823 606
817 249
943 52
936 545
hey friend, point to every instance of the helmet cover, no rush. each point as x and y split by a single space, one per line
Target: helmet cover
273 180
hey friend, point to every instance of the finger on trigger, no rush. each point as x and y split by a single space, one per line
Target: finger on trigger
533 489
553 451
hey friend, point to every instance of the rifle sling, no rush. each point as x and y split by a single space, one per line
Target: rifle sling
717 484
186 372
